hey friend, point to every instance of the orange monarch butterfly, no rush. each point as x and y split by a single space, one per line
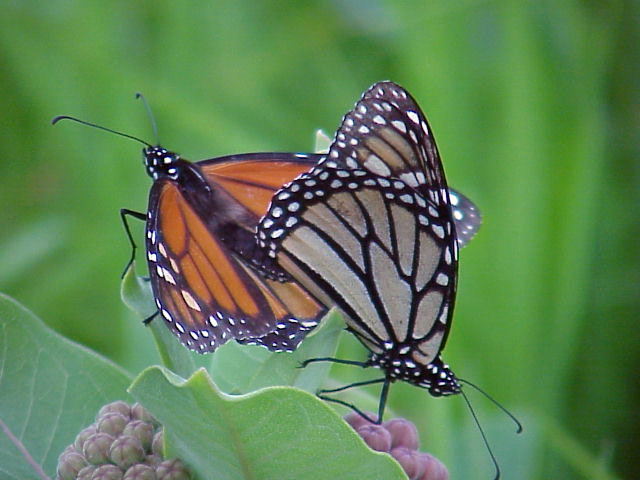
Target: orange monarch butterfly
372 229
199 237
200 227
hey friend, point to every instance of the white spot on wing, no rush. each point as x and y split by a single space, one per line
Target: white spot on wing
377 166
400 125
438 230
189 300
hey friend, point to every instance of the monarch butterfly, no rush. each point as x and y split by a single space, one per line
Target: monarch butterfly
208 282
374 230
200 226
209 279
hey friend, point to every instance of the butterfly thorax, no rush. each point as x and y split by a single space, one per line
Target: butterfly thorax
436 376
223 216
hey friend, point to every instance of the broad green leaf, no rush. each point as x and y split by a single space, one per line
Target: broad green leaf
136 294
50 389
276 433
244 368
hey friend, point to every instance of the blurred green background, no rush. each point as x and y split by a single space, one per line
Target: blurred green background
535 106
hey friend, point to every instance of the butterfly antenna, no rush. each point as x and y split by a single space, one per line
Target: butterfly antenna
496 403
152 119
67 117
484 437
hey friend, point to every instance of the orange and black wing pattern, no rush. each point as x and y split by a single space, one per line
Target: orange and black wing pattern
200 240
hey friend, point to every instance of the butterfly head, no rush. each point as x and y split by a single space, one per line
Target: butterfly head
160 162
439 379
402 364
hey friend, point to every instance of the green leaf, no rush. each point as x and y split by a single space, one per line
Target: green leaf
50 389
245 368
277 433
136 294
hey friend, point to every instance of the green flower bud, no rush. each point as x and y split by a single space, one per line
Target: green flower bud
126 451
112 423
140 472
82 437
86 473
125 443
107 472
96 448
141 430
138 412
172 470
69 449
69 464
153 460
158 443
118 407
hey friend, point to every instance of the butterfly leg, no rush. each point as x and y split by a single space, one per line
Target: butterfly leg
335 360
148 320
124 212
381 405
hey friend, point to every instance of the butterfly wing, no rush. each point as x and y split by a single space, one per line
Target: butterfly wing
205 289
387 134
371 228
358 241
466 217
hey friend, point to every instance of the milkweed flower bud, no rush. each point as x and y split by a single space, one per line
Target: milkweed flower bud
126 451
86 473
82 437
69 464
356 420
152 460
96 448
107 472
403 433
138 412
172 470
124 443
140 472
434 469
376 436
112 423
157 443
410 461
141 430
117 407
399 437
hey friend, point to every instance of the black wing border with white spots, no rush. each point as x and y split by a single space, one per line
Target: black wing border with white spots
387 107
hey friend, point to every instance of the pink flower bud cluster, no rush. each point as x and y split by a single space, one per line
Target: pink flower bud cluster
399 438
